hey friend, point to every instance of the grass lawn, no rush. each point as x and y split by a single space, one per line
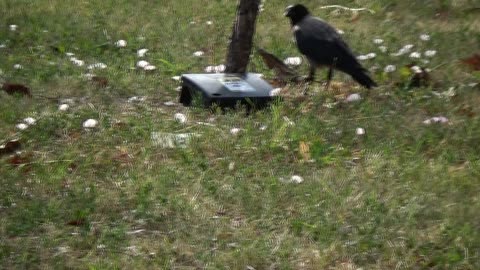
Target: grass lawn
293 186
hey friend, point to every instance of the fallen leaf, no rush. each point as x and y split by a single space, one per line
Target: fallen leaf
473 61
19 159
72 167
122 157
15 88
304 150
355 16
466 110
10 147
77 222
99 81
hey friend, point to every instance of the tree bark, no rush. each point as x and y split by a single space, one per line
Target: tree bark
240 47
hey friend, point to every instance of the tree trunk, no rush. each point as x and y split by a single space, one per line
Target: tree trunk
240 47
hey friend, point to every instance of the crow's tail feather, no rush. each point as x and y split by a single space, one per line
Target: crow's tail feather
361 76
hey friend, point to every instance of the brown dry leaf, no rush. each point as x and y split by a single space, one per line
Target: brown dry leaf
355 16
119 124
473 61
10 147
458 167
19 159
122 157
76 222
304 150
16 88
466 110
99 81
72 167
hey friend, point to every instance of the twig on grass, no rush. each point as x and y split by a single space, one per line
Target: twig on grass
349 9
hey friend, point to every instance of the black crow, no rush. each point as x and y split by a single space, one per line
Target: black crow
323 46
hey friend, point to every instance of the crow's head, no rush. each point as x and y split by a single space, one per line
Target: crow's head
296 13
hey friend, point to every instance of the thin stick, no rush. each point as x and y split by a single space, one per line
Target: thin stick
46 162
347 8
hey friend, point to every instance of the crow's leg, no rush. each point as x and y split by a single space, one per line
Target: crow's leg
311 73
330 73
311 76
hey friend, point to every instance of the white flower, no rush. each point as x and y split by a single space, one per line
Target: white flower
293 61
405 49
198 53
97 65
353 97
2 46
142 64
17 66
22 126
149 67
382 48
425 37
437 119
416 69
69 54
430 53
169 103
180 117
275 92
121 43
362 57
389 68
378 41
135 99
29 121
176 78
216 69
90 123
415 55
209 22
13 27
77 62
88 76
209 69
366 56
263 127
63 107
235 131
142 52
296 179
360 131
220 68
340 32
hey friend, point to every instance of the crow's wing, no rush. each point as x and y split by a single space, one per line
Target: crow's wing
321 43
